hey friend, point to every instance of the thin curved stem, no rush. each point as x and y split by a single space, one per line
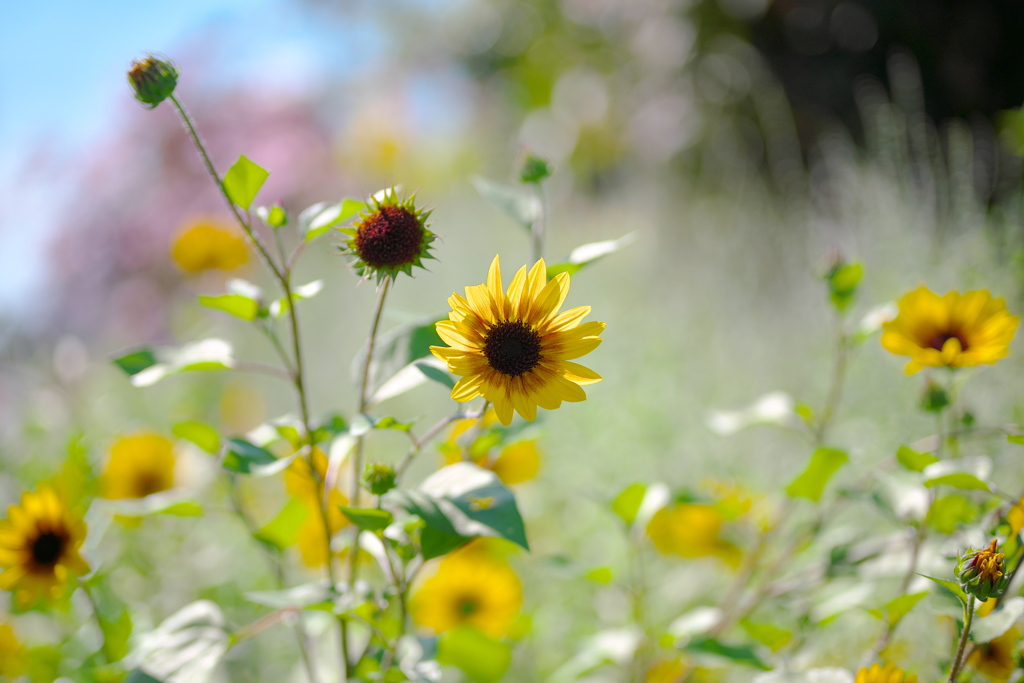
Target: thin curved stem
958 661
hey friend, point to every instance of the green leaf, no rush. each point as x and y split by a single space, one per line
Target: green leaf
811 483
187 646
600 575
243 181
958 480
282 531
306 291
947 512
899 607
233 304
523 206
369 519
769 635
318 219
243 457
742 654
1015 438
627 504
914 461
205 355
170 502
467 501
480 657
136 361
140 676
317 594
202 435
951 586
437 543
361 424
589 253
435 373
843 280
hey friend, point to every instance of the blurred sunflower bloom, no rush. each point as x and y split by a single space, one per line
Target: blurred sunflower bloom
691 530
207 245
469 587
39 547
1015 517
12 653
515 463
887 674
997 659
666 671
514 348
955 330
300 482
139 465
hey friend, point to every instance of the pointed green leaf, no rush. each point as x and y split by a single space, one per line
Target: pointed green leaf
811 483
951 586
589 253
914 461
232 304
742 654
627 504
480 657
369 519
958 480
243 181
242 456
136 361
202 435
769 635
521 205
282 531
436 374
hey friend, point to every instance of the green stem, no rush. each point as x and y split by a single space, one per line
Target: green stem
958 661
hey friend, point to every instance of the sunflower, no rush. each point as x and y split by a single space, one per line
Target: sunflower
954 330
39 547
469 587
301 483
12 653
207 245
514 348
139 465
997 659
887 674
691 530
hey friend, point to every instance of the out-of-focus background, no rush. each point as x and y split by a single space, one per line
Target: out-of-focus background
745 143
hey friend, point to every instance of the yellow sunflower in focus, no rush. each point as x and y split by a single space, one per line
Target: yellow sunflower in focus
12 653
469 588
955 330
301 483
139 465
207 245
997 659
691 530
514 348
887 674
39 547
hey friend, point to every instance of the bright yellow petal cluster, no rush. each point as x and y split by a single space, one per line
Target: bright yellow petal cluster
1015 516
887 674
39 547
955 330
513 347
691 530
998 658
515 463
12 653
139 465
666 671
469 587
301 483
207 245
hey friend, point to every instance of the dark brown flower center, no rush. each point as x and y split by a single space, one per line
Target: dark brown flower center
467 605
149 483
512 348
939 340
390 236
46 549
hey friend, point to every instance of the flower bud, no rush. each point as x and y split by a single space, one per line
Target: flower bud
379 478
153 80
982 573
391 239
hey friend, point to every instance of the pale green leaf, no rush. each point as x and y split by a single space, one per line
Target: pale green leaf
232 304
914 461
243 181
480 657
811 483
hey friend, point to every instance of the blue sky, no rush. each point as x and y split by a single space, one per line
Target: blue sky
62 79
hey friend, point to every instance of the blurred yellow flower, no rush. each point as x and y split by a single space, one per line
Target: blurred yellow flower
691 530
206 245
666 671
1015 517
887 674
301 483
514 464
514 348
39 547
998 658
469 587
954 330
12 653
139 465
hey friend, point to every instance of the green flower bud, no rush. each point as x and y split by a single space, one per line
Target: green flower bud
934 399
379 479
982 573
153 80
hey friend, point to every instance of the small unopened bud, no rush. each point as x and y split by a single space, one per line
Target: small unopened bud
379 479
982 573
153 80
534 169
934 399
